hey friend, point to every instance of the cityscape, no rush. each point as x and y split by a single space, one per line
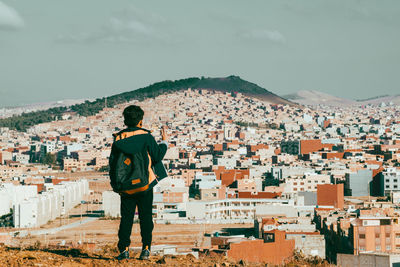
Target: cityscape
320 180
200 133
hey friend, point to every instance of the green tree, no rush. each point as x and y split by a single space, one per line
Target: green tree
49 159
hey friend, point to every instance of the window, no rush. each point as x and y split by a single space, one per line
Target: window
395 180
378 247
387 180
388 248
397 235
269 238
395 186
377 235
387 186
362 248
362 236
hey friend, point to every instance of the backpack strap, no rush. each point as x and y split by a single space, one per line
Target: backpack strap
124 135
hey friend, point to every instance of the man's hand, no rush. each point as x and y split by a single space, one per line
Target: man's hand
164 136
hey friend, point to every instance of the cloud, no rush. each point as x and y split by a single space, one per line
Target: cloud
273 36
9 18
130 25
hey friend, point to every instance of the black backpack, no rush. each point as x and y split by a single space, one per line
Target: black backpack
131 173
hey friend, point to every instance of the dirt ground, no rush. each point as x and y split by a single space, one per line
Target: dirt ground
43 250
104 232
75 257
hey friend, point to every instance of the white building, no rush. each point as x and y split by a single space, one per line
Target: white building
306 182
234 210
36 210
206 180
111 204
228 163
391 181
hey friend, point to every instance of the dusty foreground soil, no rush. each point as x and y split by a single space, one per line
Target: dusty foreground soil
76 257
44 250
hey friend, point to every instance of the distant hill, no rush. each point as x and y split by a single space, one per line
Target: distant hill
17 110
372 98
227 84
380 99
235 83
311 97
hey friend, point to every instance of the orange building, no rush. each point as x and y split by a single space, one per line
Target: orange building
309 146
188 175
330 195
218 147
375 234
229 176
274 249
64 138
254 148
332 155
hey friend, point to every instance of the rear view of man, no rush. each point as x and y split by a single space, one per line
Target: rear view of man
135 167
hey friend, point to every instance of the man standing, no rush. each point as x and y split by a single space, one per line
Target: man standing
143 159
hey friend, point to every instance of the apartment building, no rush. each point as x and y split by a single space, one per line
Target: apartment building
391 181
240 209
306 182
375 234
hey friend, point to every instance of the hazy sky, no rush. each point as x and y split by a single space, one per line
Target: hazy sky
53 49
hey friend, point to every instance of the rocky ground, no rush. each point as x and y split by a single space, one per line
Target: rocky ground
32 256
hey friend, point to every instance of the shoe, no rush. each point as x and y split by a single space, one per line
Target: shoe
145 254
124 255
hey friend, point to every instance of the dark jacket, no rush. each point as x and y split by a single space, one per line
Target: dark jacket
136 161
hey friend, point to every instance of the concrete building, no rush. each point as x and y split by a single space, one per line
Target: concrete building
5 203
307 182
37 210
309 243
358 183
111 204
368 260
228 163
206 180
235 210
309 198
391 181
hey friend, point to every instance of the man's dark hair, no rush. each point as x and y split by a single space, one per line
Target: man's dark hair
132 115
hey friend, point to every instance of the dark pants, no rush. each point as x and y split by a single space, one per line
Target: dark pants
144 202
